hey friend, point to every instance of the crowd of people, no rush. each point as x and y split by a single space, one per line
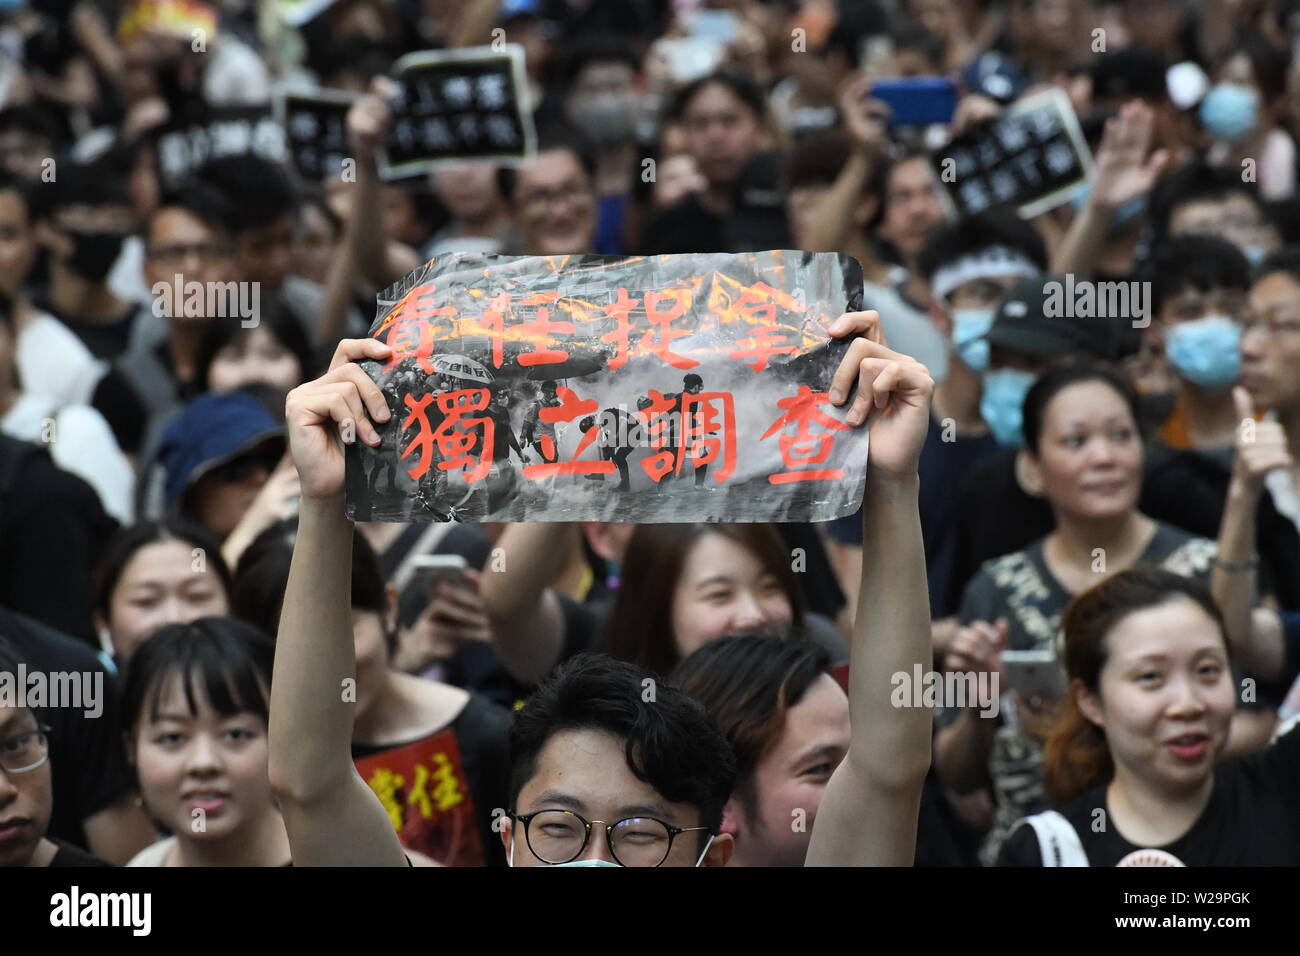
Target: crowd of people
1095 513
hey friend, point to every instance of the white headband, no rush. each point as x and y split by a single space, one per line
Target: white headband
993 262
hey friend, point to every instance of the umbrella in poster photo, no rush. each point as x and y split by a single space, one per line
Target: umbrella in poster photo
461 367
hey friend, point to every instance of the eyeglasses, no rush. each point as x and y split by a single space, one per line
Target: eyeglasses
561 836
1270 324
178 252
545 198
26 751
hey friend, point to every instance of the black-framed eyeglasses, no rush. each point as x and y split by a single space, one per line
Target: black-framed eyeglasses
26 750
561 836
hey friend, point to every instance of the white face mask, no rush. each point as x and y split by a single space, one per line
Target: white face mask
510 858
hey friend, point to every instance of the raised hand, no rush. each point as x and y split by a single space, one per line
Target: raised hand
1261 446
370 117
335 409
1123 169
895 385
977 647
865 119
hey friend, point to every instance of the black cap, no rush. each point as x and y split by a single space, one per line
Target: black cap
1037 317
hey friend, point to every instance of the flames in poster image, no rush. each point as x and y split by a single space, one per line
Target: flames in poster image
612 386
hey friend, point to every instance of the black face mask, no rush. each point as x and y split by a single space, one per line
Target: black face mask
93 253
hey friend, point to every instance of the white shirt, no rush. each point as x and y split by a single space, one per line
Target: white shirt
80 442
53 362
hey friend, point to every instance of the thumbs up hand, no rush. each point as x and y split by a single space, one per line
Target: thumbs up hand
1261 446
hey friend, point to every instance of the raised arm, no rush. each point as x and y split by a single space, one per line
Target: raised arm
1123 173
527 621
1261 447
332 817
867 123
868 815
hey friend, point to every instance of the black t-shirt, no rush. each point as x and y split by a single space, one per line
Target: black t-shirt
482 731
1190 489
88 765
71 856
943 464
685 226
1252 818
105 340
992 516
52 530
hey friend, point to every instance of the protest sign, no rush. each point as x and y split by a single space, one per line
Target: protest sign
316 132
184 145
1032 157
424 789
604 388
455 105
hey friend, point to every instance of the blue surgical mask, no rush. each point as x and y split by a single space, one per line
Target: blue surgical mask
1002 404
969 328
1228 111
1206 352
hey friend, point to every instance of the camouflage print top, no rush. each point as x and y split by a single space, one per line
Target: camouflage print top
1020 588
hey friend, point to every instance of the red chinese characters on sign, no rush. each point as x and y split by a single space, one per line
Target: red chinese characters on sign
410 331
764 342
805 447
570 408
620 309
662 319
705 438
426 793
541 328
695 428
457 437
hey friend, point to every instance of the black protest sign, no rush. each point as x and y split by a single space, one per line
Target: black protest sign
1032 157
316 132
603 388
181 148
458 104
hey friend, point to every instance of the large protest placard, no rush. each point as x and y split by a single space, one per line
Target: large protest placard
316 131
455 105
603 388
1033 157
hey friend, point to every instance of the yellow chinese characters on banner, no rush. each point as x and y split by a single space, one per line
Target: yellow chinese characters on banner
427 796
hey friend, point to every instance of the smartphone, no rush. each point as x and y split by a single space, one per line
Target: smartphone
917 101
429 569
1034 673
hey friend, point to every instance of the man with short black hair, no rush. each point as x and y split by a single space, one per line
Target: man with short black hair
88 217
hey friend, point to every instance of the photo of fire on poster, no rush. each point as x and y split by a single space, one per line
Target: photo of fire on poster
608 388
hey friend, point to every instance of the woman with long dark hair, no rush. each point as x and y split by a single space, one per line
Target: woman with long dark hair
1149 712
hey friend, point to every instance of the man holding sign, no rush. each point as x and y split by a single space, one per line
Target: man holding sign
576 742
